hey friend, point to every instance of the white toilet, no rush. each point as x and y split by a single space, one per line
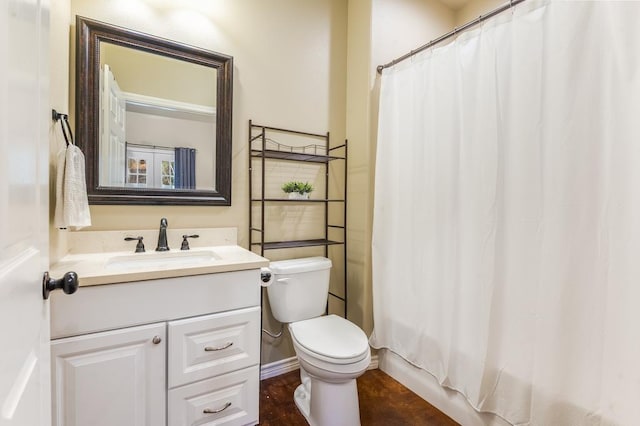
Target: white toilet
332 351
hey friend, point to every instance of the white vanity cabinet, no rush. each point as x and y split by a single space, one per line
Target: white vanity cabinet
112 378
177 351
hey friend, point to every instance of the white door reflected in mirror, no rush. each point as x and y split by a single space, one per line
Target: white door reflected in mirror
112 135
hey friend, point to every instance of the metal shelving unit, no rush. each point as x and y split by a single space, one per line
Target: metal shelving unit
262 148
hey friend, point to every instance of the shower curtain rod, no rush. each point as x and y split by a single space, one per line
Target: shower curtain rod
450 34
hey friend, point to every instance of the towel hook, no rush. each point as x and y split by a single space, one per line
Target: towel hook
64 122
55 115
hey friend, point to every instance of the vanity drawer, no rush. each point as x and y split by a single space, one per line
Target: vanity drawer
209 345
229 399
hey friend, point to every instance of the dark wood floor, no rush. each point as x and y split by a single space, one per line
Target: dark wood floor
383 401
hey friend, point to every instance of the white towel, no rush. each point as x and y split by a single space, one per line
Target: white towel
72 206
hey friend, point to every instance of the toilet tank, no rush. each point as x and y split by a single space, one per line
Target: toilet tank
299 289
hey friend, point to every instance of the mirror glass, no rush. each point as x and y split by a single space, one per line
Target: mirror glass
157 120
153 117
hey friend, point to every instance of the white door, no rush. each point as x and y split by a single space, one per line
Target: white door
112 378
25 115
112 137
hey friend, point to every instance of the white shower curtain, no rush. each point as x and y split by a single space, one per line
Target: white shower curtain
506 240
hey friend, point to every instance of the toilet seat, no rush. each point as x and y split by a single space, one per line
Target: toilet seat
331 339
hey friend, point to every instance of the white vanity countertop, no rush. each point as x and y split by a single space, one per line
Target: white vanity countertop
103 257
99 268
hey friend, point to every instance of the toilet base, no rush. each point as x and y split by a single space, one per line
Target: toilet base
333 404
301 398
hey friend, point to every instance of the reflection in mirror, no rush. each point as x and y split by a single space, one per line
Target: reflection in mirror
153 117
156 132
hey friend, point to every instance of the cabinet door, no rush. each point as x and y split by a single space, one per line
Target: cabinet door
111 378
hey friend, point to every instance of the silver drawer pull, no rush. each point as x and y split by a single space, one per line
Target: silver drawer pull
210 349
219 410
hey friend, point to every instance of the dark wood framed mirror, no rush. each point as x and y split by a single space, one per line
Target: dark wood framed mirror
153 117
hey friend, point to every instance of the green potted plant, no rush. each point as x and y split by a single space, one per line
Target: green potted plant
297 190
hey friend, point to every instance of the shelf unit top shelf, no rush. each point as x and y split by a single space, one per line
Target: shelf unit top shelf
297 200
294 156
296 244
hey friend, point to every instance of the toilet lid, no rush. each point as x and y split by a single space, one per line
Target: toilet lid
331 336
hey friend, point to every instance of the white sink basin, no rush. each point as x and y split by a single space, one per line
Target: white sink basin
160 260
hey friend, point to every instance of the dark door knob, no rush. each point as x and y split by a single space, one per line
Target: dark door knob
68 283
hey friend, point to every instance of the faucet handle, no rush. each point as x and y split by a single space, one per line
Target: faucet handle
139 246
185 243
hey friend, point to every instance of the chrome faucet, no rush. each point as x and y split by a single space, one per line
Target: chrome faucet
162 236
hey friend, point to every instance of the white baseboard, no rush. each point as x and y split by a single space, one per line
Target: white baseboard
291 364
279 367
373 365
427 387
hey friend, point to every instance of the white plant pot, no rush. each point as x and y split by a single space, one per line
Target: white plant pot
298 196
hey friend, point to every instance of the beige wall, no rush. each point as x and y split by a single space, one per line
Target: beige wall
59 98
379 31
475 8
400 26
358 134
297 64
289 71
